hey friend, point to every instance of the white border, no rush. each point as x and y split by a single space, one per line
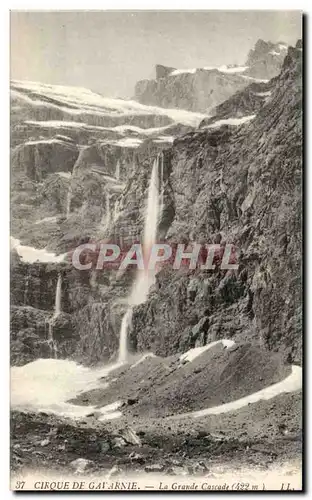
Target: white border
158 5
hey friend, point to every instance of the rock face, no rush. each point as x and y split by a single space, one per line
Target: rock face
245 185
244 103
264 61
74 157
227 184
42 157
33 289
163 71
72 152
197 91
204 88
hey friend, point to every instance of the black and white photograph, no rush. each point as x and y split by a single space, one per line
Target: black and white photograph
156 248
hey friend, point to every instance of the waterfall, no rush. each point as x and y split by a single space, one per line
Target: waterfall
93 279
58 297
144 279
125 324
75 167
57 310
26 289
116 210
68 201
108 214
162 182
106 219
117 172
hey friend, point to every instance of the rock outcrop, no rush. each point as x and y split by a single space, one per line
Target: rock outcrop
201 89
244 103
39 158
264 61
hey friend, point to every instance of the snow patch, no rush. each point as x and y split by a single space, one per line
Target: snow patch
263 94
84 101
281 47
46 385
143 358
260 80
110 416
232 69
109 412
291 383
47 219
197 351
222 69
122 129
230 121
63 124
66 175
31 254
110 407
45 141
185 117
125 129
181 71
164 138
129 142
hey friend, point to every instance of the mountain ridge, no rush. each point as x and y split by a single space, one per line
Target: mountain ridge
199 89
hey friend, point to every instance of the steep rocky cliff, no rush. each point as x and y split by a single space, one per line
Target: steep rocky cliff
84 178
200 89
243 186
244 103
264 61
71 153
79 170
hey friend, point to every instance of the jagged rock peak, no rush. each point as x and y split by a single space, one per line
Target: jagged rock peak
263 49
293 56
163 71
299 44
266 59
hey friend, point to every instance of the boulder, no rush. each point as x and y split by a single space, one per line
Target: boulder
80 465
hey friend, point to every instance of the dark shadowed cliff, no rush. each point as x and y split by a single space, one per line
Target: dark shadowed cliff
243 184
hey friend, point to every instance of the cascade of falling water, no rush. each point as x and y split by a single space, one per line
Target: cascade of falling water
106 220
117 172
26 289
125 324
93 279
116 210
161 182
58 296
69 192
144 279
108 217
57 310
68 201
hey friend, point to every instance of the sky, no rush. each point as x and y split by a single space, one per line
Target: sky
109 51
